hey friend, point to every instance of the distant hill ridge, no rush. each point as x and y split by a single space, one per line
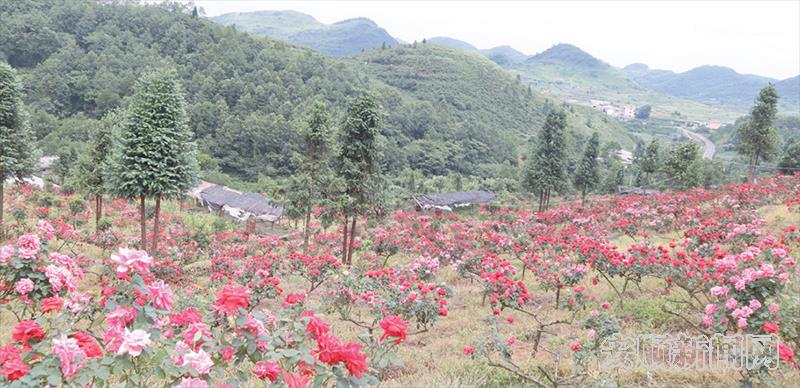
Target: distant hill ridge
339 39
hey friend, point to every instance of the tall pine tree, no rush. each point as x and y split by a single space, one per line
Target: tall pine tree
16 139
359 166
546 169
153 154
758 137
314 183
587 175
90 171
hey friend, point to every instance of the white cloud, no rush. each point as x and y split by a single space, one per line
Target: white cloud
758 37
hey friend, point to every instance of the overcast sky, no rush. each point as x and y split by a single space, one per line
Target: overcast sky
756 37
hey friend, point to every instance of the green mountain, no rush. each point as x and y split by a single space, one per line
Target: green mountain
789 90
338 39
479 96
248 96
567 72
504 55
275 24
451 42
716 85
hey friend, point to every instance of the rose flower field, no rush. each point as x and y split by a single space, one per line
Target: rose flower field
481 297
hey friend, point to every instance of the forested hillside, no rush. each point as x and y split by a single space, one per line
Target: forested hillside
476 101
248 96
79 60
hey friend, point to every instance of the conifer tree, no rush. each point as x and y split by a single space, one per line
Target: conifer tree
153 154
89 174
314 183
587 175
545 171
17 157
758 137
359 166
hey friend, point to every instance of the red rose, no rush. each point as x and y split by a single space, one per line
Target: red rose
11 364
770 327
316 326
51 304
394 326
785 353
293 299
468 350
26 331
231 298
575 346
267 370
88 344
354 360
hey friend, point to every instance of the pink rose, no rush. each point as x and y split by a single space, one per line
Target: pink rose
160 295
6 252
731 304
45 229
23 286
133 342
28 245
199 361
129 259
192 382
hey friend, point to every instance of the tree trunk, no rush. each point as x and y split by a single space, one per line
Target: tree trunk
2 207
753 162
98 210
583 197
305 232
156 225
352 241
541 200
142 224
344 242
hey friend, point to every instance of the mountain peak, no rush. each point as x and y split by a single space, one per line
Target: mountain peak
568 54
452 42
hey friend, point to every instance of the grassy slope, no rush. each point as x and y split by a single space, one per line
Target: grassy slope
476 90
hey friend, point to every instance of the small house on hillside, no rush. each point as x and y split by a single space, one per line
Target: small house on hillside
631 190
448 201
247 207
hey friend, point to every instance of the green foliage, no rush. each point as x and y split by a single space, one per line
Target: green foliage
314 184
790 161
758 137
587 175
91 167
547 167
651 160
153 154
684 166
359 157
16 138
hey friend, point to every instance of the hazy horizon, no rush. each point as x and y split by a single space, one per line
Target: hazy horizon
751 37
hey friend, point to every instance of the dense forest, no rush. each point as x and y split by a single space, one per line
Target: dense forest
445 112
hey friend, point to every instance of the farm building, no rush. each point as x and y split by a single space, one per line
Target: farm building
249 207
628 190
448 201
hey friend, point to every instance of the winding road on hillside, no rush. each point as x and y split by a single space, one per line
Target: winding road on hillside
708 146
